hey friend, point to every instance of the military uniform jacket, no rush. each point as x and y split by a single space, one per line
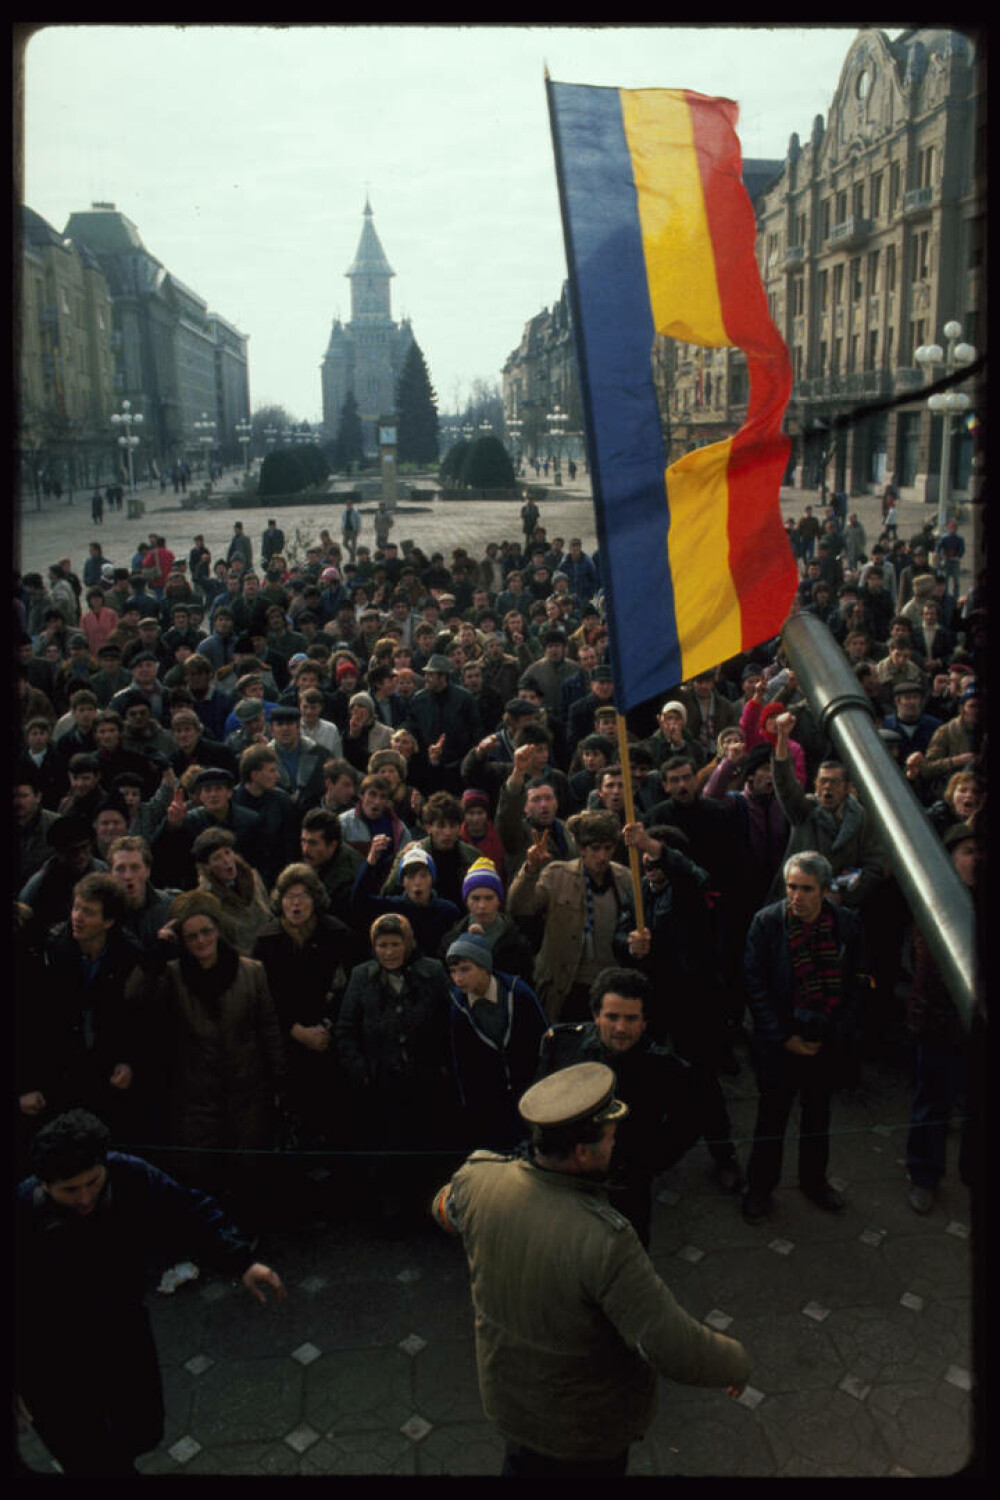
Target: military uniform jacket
573 1325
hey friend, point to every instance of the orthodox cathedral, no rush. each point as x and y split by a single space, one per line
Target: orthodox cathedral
365 356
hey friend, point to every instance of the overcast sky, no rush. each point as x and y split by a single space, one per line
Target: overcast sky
243 155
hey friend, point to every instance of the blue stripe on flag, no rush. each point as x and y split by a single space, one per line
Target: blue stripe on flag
614 333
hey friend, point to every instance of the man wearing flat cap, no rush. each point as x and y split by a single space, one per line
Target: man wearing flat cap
173 843
444 715
573 1325
300 759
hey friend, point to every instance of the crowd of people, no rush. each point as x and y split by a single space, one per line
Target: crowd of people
332 855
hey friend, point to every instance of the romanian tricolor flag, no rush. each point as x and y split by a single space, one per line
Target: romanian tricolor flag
660 239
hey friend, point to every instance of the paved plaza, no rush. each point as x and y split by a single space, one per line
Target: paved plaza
858 1326
59 528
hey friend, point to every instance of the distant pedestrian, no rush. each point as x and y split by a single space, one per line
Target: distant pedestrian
892 520
349 528
97 507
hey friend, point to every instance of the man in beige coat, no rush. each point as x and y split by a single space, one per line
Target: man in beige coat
588 909
573 1325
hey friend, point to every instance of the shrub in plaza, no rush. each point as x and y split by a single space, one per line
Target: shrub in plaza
487 466
451 464
283 473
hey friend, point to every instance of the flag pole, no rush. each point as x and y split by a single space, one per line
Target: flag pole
633 853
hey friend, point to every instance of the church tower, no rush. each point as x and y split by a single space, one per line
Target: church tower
366 355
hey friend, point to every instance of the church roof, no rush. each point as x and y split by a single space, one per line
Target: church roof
369 258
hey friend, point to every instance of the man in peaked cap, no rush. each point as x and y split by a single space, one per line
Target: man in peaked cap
573 1325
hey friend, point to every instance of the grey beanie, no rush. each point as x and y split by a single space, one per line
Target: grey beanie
471 946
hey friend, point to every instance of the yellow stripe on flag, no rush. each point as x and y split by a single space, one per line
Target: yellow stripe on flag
680 263
706 603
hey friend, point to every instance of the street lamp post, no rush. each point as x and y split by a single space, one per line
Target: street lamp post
206 437
557 419
126 419
244 434
948 403
514 427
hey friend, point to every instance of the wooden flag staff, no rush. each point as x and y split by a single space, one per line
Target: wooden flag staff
633 853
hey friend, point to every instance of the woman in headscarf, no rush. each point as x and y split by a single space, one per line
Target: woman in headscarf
365 734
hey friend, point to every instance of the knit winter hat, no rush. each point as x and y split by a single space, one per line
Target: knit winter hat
472 947
673 707
414 857
483 872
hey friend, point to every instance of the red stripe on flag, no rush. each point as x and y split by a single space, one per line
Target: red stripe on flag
760 559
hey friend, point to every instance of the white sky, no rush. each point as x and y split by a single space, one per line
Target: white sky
242 155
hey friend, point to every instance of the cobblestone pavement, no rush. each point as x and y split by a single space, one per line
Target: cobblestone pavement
858 1328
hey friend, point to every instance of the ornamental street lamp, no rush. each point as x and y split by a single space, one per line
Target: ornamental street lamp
126 419
244 435
206 438
557 419
514 428
948 403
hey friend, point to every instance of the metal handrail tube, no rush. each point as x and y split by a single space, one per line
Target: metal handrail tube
941 904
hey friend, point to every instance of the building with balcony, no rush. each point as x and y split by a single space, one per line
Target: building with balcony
870 240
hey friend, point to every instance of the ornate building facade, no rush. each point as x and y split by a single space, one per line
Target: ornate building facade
66 364
364 357
174 360
872 239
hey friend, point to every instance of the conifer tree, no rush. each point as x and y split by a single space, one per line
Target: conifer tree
416 411
350 443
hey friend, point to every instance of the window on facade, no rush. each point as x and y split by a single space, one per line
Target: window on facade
838 284
890 334
855 351
873 272
858 205
824 290
894 180
870 361
824 219
841 207
838 354
797 361
875 197
824 352
890 268
857 286
798 295
925 167
800 230
924 254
